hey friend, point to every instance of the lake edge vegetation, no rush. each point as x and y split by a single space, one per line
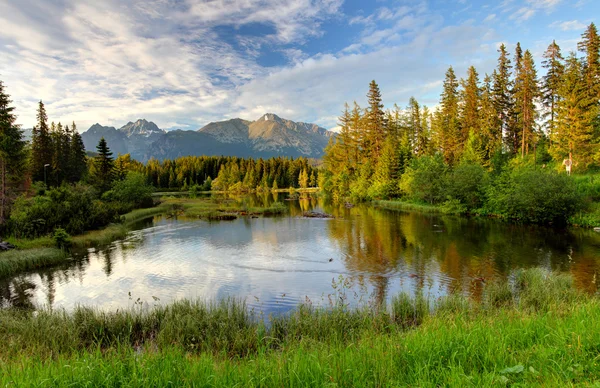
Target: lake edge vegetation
493 148
534 328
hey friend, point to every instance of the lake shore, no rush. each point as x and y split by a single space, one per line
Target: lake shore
537 330
41 252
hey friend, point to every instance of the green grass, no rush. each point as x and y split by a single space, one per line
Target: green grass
535 330
16 261
218 209
411 206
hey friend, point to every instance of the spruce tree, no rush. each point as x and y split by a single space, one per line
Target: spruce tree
590 46
12 153
104 167
375 123
525 100
489 122
470 102
502 90
555 68
77 156
514 128
573 134
449 119
41 145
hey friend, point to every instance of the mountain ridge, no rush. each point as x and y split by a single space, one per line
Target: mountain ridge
269 135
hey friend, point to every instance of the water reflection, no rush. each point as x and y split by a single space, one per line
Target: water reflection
275 263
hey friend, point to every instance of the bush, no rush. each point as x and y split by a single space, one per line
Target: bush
72 208
467 183
425 180
62 239
526 194
133 190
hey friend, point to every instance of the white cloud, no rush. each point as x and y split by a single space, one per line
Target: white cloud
570 25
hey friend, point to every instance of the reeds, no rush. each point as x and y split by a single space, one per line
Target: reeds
536 331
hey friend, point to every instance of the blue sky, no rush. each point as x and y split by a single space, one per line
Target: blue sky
184 63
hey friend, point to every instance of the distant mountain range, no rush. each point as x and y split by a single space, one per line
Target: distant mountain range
268 136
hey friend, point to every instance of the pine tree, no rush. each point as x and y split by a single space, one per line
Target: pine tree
489 122
12 153
502 90
345 140
41 145
418 136
590 46
449 120
374 121
385 177
77 156
469 113
573 134
555 68
104 171
525 100
303 179
514 127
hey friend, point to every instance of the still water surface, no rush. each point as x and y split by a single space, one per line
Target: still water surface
275 263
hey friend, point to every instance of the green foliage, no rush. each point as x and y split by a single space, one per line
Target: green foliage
104 172
528 194
133 190
425 179
467 183
195 191
73 208
62 239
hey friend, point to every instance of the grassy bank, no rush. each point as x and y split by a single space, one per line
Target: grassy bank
411 206
15 261
218 209
536 331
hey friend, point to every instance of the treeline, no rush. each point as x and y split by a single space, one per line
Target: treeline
50 186
512 115
226 173
57 152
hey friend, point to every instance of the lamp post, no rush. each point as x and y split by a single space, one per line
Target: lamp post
45 184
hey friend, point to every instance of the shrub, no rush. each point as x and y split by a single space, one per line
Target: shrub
72 208
425 179
62 239
526 194
467 183
133 190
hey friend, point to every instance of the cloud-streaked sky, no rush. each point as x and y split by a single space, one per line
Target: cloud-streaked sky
184 63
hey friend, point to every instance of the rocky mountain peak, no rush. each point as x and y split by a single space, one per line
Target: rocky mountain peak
270 117
141 127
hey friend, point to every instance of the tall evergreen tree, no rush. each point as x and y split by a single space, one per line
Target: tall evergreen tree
77 156
374 121
590 46
555 68
417 132
514 126
489 122
12 153
41 145
502 90
525 99
449 118
470 102
573 134
104 167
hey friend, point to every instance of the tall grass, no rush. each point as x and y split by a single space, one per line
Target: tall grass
535 329
16 261
411 206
